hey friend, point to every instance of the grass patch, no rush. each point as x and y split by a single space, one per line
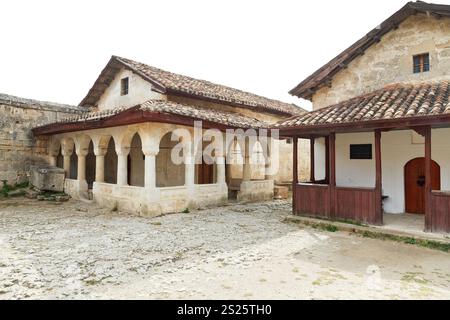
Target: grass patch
6 188
436 245
185 210
430 244
322 226
331 228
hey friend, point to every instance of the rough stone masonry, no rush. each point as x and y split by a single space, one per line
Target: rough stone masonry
19 149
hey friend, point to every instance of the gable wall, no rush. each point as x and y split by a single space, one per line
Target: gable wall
19 149
390 60
139 91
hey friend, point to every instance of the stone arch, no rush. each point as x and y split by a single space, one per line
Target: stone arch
60 159
110 160
168 173
136 162
55 153
258 161
234 162
68 150
90 165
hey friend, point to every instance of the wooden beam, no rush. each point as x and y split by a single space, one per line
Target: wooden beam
378 179
428 213
332 161
294 174
327 160
312 177
365 126
420 130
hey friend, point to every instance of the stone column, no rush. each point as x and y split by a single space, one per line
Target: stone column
268 168
268 174
100 168
122 167
81 154
189 175
66 162
150 170
220 163
247 174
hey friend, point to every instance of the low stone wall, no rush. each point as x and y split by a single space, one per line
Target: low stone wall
19 149
210 194
152 202
258 190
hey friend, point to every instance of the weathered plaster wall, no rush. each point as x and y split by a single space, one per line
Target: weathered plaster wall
139 91
18 148
397 148
391 60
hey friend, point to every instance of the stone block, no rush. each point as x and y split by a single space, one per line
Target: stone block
47 178
280 192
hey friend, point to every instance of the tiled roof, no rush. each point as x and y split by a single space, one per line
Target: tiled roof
392 102
36 104
226 118
169 82
171 108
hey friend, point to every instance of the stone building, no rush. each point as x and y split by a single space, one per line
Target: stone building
380 123
19 148
119 152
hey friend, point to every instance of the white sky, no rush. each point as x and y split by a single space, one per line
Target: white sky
54 50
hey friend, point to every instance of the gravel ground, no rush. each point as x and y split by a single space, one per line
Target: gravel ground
76 250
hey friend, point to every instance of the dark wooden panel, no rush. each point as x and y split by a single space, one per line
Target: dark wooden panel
312 200
358 204
440 211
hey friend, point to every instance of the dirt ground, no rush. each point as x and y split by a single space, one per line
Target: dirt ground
76 250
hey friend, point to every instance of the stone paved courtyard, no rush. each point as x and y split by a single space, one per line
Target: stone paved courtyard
76 250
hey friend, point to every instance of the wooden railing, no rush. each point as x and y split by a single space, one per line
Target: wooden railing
312 200
357 204
341 203
439 220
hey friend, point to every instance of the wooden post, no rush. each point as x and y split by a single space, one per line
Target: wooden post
428 212
378 186
312 177
332 172
327 160
294 173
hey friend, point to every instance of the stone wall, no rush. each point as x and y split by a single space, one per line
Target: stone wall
19 149
391 60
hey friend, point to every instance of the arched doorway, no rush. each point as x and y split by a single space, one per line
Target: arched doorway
73 166
90 165
60 159
111 162
136 162
415 184
168 174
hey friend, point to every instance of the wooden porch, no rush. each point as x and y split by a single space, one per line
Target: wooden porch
324 199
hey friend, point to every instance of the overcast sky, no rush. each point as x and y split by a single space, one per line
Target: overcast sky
54 50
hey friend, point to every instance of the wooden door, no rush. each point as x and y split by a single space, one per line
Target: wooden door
415 184
205 173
